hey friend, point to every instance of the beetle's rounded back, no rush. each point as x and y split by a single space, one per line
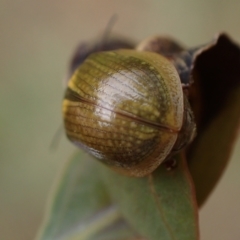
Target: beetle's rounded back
126 108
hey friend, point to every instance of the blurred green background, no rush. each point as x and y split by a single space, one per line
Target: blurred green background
37 39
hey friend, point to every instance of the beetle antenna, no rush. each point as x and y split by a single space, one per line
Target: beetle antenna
56 138
108 29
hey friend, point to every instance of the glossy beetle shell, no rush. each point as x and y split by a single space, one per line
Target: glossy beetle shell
126 108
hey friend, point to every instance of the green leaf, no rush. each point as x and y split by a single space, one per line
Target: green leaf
80 207
118 230
161 205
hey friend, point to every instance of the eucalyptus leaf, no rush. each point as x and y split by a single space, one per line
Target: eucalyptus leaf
79 206
118 230
161 205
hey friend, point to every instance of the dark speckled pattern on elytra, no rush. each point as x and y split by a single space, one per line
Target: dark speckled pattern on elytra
120 108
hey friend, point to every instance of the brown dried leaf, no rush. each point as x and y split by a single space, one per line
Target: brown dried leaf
215 98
